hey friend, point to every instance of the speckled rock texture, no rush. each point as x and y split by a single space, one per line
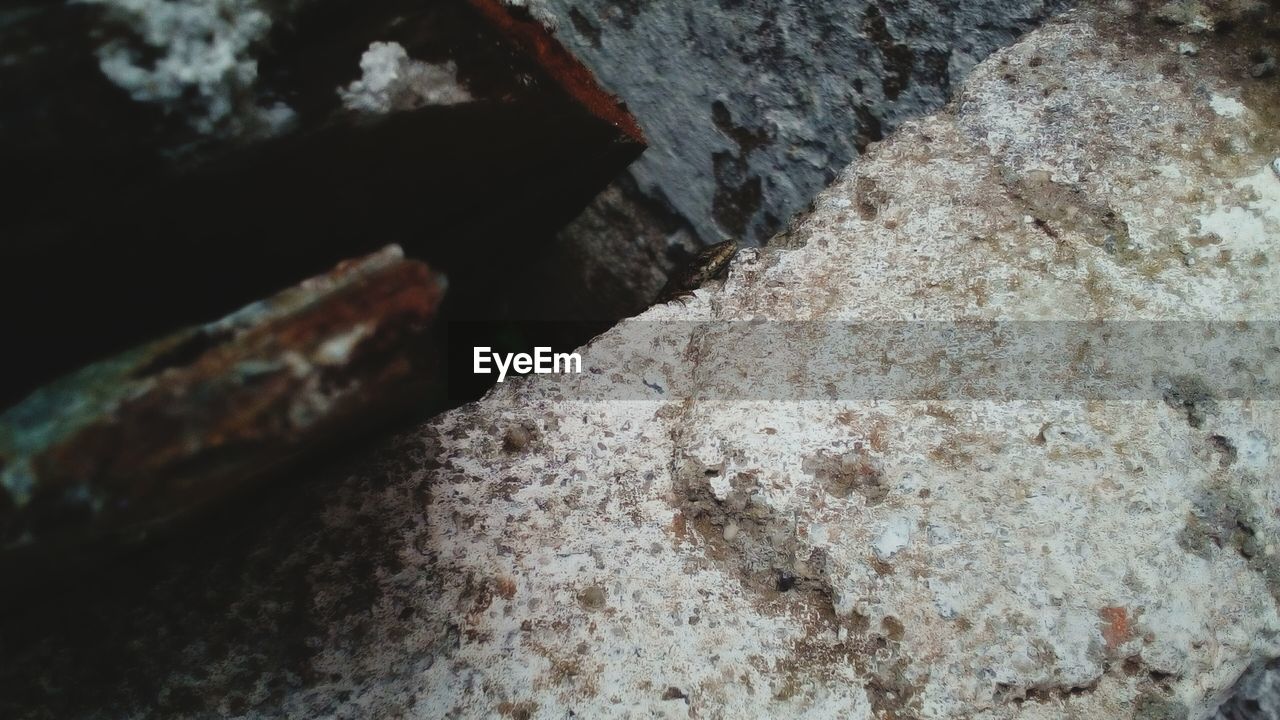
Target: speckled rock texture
631 543
751 107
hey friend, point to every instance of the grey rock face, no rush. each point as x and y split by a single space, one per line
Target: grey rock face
752 106
1255 697
620 250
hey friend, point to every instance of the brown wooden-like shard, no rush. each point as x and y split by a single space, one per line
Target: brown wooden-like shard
130 443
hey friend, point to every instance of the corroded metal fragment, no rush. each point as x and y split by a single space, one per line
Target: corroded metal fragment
127 444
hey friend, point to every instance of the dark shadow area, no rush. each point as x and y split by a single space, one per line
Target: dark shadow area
122 225
238 604
101 253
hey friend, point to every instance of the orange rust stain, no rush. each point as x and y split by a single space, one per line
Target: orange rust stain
879 442
679 525
506 587
1115 626
531 37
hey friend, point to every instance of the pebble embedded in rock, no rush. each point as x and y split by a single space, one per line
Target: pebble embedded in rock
593 598
516 438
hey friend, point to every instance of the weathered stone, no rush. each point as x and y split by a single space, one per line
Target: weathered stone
750 108
753 107
1257 695
132 443
681 551
620 251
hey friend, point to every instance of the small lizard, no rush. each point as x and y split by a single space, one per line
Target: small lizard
710 264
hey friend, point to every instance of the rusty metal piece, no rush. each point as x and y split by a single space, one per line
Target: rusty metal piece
128 444
532 38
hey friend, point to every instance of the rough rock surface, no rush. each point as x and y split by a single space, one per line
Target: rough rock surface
752 107
552 551
1256 696
620 251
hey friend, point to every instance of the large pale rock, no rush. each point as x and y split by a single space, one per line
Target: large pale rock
667 535
1029 557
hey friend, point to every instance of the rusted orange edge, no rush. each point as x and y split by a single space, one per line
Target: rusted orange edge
540 45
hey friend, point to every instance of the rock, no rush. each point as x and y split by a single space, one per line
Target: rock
394 81
672 533
751 108
759 104
620 250
130 444
1199 16
1257 696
